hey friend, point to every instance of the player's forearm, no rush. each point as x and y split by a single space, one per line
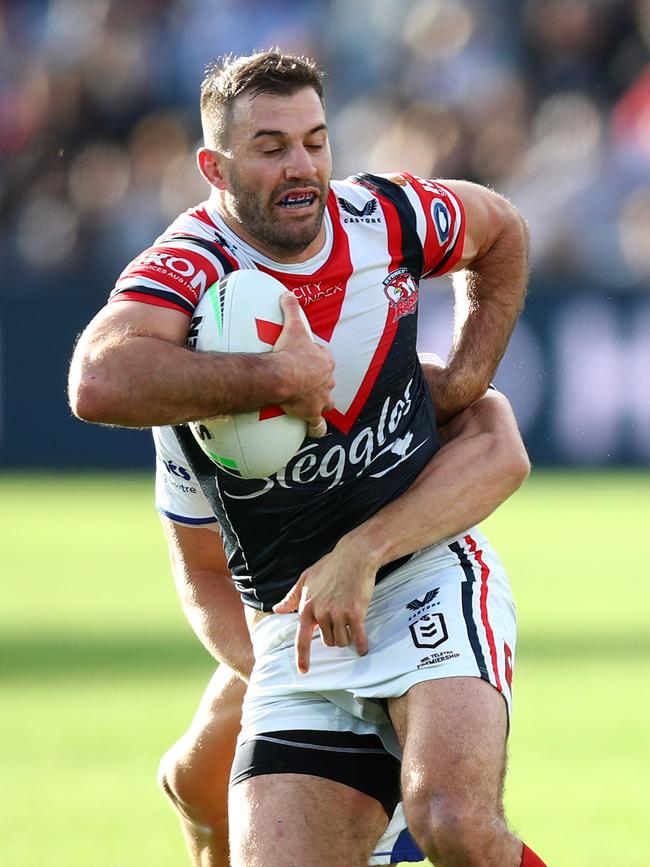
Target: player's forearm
489 298
462 485
214 610
144 381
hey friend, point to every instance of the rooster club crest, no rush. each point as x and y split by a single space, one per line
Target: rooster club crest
401 290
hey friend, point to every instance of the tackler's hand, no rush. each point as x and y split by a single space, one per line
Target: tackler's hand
332 595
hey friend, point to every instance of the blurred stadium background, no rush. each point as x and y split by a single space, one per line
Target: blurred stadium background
546 100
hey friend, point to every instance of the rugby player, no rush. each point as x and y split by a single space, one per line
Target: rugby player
435 686
481 462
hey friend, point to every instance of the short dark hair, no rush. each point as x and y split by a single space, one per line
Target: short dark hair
269 71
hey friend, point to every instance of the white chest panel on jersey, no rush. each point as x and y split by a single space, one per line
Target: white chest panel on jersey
362 323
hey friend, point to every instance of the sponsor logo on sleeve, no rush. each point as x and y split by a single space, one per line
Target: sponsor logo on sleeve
177 470
185 271
178 265
441 220
177 476
430 186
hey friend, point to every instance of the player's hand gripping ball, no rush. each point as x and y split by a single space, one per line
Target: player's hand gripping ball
242 313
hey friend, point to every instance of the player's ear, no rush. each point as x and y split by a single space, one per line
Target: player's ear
210 163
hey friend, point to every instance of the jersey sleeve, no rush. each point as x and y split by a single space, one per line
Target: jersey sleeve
440 222
178 493
174 273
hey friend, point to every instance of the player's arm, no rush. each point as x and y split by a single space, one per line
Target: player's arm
490 287
131 367
481 463
210 601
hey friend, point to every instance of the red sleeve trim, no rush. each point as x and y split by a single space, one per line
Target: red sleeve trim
147 299
443 245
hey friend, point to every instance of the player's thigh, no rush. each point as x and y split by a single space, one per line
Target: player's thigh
276 819
196 769
453 733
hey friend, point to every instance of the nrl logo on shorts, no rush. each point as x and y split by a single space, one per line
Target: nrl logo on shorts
429 631
402 292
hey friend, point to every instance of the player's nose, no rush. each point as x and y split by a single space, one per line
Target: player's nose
299 164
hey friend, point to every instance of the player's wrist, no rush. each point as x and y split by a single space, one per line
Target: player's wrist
456 389
278 377
372 539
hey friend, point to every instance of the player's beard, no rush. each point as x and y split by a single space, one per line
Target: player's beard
259 218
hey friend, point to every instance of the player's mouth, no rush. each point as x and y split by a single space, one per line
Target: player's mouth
298 200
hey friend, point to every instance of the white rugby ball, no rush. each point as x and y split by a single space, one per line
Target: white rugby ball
242 313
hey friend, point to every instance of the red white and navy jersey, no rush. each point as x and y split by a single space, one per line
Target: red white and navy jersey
359 293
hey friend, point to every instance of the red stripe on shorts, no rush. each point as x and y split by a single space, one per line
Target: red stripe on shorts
485 574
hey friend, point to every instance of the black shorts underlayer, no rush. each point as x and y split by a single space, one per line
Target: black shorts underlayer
358 761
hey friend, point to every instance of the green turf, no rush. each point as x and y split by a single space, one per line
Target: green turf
100 672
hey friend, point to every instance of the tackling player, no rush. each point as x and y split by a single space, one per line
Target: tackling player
440 624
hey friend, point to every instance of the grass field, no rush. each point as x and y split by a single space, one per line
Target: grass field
100 672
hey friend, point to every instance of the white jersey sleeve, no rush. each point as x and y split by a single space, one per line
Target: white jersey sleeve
178 493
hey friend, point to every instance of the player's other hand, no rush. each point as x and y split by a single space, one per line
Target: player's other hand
307 370
332 595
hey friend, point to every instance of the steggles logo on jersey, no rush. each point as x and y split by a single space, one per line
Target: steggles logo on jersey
429 631
363 215
372 451
402 292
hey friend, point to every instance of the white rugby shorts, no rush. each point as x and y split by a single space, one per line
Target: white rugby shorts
448 612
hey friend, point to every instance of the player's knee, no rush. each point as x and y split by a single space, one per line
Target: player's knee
167 776
453 830
196 783
183 783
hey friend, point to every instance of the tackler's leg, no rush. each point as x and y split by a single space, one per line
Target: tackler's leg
194 773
